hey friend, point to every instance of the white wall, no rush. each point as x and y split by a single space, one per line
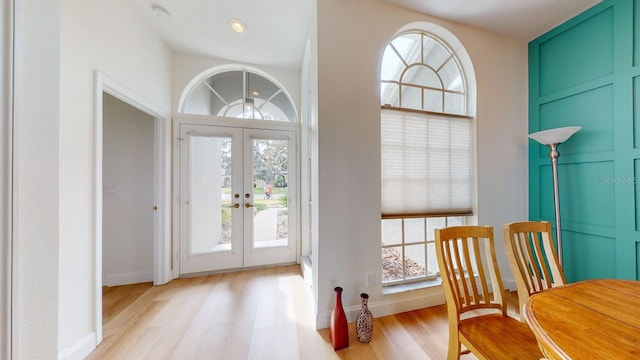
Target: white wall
36 171
111 37
128 196
348 199
311 79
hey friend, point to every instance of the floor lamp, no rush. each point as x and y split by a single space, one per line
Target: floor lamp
552 138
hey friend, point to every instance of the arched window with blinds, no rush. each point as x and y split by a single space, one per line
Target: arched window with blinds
426 152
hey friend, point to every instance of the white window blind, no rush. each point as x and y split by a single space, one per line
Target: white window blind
426 164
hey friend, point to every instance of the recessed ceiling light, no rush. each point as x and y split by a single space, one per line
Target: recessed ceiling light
237 25
255 93
159 11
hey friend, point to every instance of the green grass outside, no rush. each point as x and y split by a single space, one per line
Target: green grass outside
259 201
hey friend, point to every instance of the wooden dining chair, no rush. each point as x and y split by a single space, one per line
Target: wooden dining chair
532 257
476 305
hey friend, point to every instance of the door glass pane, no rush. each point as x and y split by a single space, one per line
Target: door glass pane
210 194
270 176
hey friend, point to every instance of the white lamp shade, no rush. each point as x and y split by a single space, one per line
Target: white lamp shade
554 136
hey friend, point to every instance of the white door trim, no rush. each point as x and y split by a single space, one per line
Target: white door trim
6 176
162 239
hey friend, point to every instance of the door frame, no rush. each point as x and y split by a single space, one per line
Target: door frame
6 177
210 120
162 190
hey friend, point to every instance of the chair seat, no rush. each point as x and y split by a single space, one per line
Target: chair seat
497 337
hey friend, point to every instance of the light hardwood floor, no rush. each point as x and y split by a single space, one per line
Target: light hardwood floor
257 314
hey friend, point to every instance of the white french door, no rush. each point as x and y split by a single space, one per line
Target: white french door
237 197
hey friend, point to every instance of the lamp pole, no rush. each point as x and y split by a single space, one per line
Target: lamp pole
552 138
553 155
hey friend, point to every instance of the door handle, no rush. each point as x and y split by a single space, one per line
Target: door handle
236 205
248 205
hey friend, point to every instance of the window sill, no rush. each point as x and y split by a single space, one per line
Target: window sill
400 288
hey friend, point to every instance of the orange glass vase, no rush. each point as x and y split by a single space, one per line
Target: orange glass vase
339 329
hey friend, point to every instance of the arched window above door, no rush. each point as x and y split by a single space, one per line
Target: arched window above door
238 94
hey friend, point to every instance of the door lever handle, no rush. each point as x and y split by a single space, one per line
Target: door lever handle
236 205
248 205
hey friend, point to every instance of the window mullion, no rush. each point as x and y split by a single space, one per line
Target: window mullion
426 247
404 262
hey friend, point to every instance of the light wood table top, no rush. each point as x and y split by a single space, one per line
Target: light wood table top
592 319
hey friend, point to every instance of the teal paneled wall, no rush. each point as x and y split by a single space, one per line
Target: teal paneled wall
585 73
574 180
562 56
592 109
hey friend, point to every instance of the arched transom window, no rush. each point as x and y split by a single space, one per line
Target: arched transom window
420 72
239 94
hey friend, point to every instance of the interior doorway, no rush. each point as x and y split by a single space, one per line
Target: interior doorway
160 183
128 188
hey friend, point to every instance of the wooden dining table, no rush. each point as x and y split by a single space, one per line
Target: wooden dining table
591 319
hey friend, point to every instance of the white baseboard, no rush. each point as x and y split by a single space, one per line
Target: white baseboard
396 306
385 308
510 285
126 278
305 264
80 350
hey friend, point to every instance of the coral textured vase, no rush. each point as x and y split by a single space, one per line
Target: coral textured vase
364 321
339 330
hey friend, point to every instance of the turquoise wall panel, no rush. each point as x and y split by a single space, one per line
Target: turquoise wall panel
636 32
636 112
586 197
635 182
637 265
583 73
592 109
579 54
588 256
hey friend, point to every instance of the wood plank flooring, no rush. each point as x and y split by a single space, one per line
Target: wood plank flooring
257 314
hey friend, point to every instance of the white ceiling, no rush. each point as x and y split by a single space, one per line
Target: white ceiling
276 33
520 19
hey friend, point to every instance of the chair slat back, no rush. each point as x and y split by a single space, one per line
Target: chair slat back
470 283
532 257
